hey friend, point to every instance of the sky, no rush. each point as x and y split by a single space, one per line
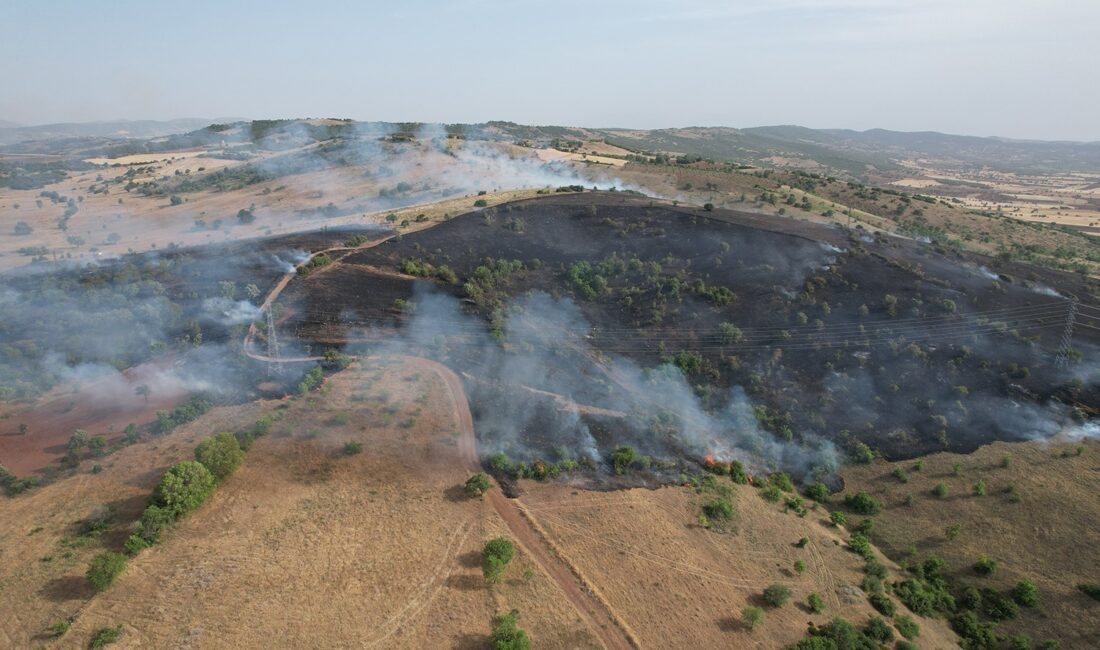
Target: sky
1012 68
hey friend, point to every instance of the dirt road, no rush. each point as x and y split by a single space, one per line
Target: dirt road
594 611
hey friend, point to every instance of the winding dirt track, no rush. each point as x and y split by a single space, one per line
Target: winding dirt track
611 631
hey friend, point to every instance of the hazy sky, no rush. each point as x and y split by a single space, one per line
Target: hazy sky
1017 68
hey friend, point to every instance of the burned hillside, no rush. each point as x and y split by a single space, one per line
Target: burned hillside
811 333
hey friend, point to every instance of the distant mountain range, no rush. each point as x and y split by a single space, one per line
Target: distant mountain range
857 154
11 132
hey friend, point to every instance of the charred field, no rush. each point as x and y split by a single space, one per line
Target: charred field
586 322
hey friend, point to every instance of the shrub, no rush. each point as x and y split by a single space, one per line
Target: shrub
900 475
940 490
802 542
862 503
507 635
59 628
104 569
998 607
975 633
477 485
184 487
907 626
985 566
979 488
737 473
1025 593
970 598
782 480
861 453
752 616
1091 589
838 518
799 567
818 492
883 604
622 458
353 447
105 636
816 603
776 595
718 509
771 494
879 630
860 545
709 207
495 556
221 454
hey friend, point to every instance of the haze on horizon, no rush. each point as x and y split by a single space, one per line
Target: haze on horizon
1012 68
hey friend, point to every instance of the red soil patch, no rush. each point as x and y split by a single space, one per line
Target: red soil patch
102 406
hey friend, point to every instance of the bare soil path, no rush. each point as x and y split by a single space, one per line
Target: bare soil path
595 612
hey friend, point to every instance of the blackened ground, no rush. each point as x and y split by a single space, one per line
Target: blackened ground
848 335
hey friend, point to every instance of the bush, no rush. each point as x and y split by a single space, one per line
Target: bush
799 567
221 454
495 557
104 569
940 490
59 628
838 518
861 546
718 509
862 503
985 566
709 207
907 626
975 633
818 492
1091 589
1025 593
879 630
105 636
622 458
782 480
480 203
752 616
883 604
184 487
776 595
816 603
477 485
353 447
507 635
771 494
998 607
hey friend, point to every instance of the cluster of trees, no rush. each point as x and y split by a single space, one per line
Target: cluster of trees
424 269
495 556
319 260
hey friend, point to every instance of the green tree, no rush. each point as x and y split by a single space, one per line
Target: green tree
221 454
495 557
799 567
751 617
985 566
838 518
78 440
105 636
816 603
907 626
507 635
623 458
143 391
184 487
104 569
477 485
1025 593
776 595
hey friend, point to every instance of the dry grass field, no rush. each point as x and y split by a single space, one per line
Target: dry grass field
1047 533
307 546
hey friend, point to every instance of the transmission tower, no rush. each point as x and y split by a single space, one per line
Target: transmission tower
273 364
1062 359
